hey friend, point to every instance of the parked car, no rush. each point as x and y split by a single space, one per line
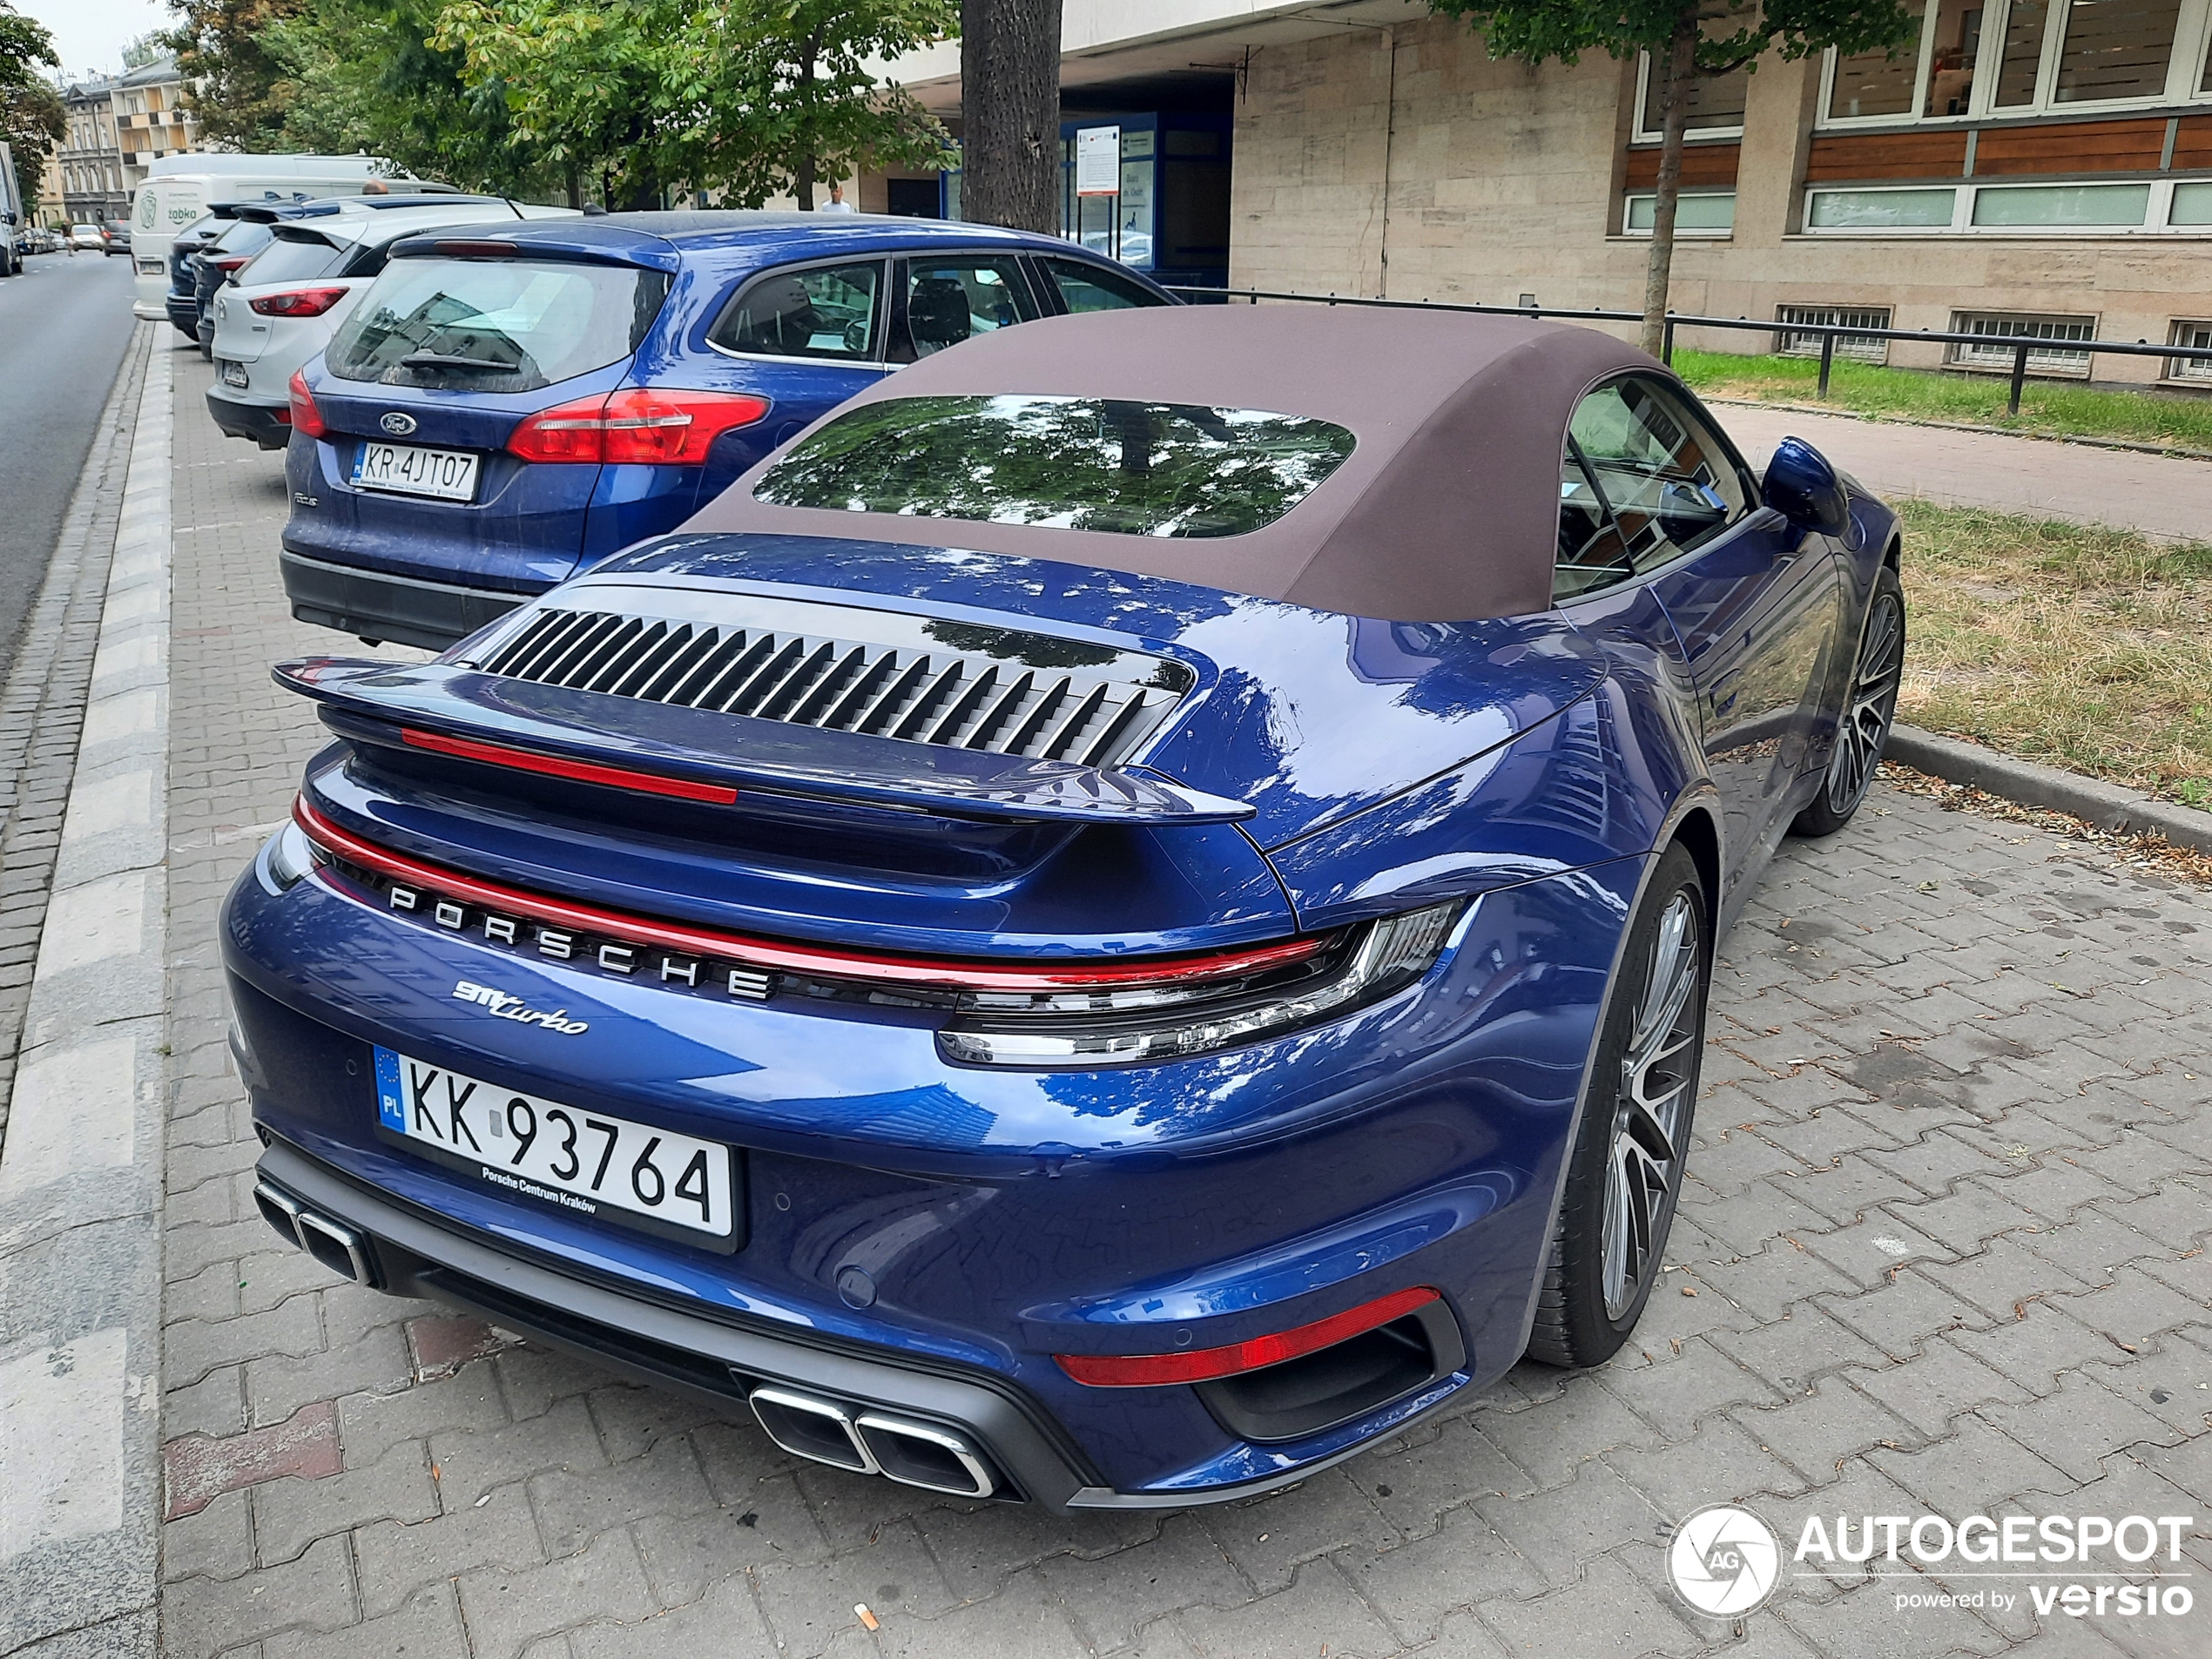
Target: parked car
181 189
215 262
1129 915
500 410
181 303
87 237
281 306
116 236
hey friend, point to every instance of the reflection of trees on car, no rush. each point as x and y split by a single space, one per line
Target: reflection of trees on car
1107 464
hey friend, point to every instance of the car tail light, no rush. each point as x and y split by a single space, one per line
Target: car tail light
644 426
306 417
228 263
297 302
1170 1019
1206 1364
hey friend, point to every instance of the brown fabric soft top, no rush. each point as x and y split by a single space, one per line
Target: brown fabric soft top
1446 511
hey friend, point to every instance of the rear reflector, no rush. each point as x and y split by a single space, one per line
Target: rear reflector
642 426
779 954
583 772
306 417
297 302
1204 1364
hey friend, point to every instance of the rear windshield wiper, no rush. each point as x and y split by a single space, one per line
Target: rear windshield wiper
439 359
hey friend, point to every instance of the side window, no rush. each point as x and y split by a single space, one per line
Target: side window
1092 288
1670 485
1591 552
828 312
949 300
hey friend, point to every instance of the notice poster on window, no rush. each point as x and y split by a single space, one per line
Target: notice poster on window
1098 161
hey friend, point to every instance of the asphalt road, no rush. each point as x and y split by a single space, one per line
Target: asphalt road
63 324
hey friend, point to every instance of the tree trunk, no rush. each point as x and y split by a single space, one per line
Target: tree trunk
1676 79
1010 77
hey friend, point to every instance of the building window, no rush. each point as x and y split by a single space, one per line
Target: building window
2115 49
2006 326
2041 55
1716 102
1880 210
2142 207
1876 83
1705 213
1860 348
2198 335
2069 207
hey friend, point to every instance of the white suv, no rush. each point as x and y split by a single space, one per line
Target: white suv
284 304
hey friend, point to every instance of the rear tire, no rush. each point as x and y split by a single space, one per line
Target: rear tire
1869 711
1632 1143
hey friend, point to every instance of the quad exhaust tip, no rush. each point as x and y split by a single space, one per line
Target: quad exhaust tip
341 1249
914 1454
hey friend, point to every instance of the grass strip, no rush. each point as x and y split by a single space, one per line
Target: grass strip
2071 644
2052 409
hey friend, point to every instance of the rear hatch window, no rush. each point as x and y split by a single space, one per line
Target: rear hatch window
297 256
494 326
1129 468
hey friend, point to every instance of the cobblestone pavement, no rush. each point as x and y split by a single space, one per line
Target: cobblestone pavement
1943 1251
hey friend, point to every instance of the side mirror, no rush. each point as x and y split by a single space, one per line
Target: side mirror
1801 487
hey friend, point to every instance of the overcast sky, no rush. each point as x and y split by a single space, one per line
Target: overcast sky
91 34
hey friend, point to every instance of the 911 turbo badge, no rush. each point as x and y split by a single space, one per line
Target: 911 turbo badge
512 1007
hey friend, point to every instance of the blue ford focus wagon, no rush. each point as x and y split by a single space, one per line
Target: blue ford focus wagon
508 405
1127 914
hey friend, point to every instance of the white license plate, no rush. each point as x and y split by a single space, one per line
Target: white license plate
589 1163
403 469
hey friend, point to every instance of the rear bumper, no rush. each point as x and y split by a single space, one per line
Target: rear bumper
266 424
376 605
404 1252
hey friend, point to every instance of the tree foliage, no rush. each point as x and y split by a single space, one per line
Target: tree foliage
32 119
1690 40
746 100
234 83
362 75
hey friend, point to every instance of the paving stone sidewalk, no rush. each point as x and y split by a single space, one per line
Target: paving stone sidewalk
1943 1251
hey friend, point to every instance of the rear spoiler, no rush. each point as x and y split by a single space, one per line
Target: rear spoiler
657 748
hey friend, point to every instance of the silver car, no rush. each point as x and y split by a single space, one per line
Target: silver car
284 304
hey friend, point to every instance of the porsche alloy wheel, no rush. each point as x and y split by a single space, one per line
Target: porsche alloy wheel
1634 1137
1644 1168
1870 707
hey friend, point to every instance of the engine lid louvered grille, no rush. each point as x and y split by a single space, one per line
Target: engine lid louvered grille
879 673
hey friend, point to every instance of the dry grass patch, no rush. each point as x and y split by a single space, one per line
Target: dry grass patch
2084 648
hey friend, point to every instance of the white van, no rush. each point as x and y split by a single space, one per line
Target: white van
11 214
180 189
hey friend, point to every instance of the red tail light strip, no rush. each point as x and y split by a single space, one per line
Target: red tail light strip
583 772
798 959
1204 1365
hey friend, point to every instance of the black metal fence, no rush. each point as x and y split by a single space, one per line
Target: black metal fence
2023 347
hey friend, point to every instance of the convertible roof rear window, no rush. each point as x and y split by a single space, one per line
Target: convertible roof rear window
1114 465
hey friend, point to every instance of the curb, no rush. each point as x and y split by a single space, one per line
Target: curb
81 1171
2111 806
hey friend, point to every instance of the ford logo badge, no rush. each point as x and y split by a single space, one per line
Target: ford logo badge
397 424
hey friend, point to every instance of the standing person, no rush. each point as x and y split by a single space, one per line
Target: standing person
837 203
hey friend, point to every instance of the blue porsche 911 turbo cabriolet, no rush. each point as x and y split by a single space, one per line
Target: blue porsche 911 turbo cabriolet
1127 913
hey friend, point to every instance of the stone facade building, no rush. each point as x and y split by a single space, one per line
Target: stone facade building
2027 166
117 124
